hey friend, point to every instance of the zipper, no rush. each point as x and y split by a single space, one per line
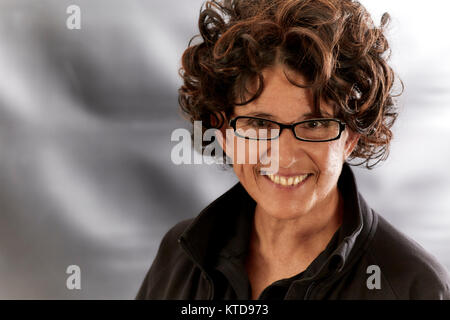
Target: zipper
308 291
312 285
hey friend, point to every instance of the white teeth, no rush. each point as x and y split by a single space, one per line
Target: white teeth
287 181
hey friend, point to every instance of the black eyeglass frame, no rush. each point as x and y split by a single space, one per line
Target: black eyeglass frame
292 126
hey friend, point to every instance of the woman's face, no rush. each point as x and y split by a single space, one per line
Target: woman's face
322 161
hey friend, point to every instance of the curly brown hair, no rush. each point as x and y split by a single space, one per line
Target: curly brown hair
333 43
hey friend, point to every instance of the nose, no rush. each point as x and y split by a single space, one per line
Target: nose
288 146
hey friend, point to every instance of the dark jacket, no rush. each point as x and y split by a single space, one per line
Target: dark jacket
367 258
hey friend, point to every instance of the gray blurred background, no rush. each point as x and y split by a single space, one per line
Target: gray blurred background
85 123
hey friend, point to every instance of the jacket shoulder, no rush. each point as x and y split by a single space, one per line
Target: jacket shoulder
169 258
169 249
411 271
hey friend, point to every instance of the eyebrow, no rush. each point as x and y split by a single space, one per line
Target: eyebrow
272 117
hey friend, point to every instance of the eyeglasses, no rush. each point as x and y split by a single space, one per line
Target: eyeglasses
313 130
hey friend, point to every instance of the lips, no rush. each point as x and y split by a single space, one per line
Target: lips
282 173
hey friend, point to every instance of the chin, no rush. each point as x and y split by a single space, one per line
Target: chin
284 212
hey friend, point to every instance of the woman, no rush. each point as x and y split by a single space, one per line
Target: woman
313 75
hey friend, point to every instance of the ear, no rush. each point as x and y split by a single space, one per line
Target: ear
351 142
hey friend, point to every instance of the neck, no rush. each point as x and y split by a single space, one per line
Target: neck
298 240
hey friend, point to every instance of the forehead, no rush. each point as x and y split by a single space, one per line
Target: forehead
282 99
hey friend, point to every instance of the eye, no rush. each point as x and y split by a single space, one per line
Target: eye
259 123
314 124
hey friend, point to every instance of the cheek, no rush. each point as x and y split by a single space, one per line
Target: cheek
244 158
247 152
247 177
330 162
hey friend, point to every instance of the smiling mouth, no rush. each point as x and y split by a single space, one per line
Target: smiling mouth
291 181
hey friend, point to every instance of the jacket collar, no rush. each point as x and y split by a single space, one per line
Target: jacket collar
228 219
